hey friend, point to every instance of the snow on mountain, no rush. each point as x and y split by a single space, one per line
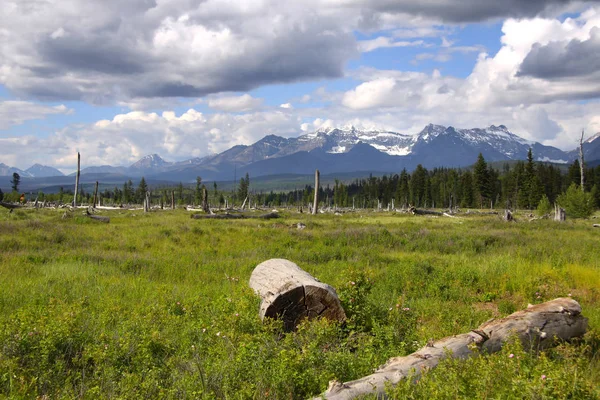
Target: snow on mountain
5 170
43 171
152 161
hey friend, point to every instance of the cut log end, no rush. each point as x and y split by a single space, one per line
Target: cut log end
290 294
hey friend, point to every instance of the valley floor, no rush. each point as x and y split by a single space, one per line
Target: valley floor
157 305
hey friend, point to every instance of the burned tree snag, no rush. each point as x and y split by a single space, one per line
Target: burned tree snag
581 167
95 196
205 200
559 213
538 327
292 294
77 180
172 200
316 201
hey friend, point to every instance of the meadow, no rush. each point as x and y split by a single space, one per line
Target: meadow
157 305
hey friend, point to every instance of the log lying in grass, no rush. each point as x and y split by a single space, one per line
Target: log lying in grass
292 294
99 218
270 215
10 206
538 327
416 211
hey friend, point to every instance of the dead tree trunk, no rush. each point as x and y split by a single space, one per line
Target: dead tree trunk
172 200
508 217
77 180
581 168
538 327
559 213
95 195
147 202
316 201
205 200
292 294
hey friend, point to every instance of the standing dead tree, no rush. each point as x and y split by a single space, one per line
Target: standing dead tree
581 168
292 294
316 200
537 327
95 196
559 213
77 180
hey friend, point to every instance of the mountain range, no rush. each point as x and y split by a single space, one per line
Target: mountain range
334 150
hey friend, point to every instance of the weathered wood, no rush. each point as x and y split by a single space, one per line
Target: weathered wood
559 213
95 195
508 217
292 294
537 327
172 200
315 207
100 218
77 180
205 200
596 225
416 211
581 162
270 215
10 206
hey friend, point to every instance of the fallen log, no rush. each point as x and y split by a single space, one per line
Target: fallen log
100 218
10 206
292 294
416 211
537 327
596 225
270 215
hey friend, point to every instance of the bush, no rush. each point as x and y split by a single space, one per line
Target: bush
576 203
544 207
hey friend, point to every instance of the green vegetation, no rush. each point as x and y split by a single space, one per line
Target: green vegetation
157 305
577 204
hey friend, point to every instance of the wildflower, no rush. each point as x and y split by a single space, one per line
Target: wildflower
406 309
218 333
178 303
543 377
203 330
569 294
353 283
511 355
237 314
390 308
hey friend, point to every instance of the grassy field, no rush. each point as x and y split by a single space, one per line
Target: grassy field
158 306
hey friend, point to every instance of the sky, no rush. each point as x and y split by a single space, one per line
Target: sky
117 80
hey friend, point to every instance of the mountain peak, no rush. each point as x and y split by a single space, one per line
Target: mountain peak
593 138
150 161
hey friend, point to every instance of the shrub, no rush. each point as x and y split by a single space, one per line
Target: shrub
576 203
544 207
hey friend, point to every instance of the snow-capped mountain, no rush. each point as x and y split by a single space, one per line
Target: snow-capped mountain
342 150
42 171
5 170
150 162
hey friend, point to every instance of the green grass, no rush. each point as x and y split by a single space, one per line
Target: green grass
157 305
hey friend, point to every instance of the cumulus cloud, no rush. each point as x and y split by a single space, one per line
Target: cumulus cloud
14 112
102 52
127 137
564 59
461 11
241 103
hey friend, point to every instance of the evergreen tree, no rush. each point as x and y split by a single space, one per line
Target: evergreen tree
574 174
1 195
481 180
180 193
466 196
576 203
243 187
15 182
140 193
418 186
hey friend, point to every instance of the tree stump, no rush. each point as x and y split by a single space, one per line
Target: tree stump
292 294
508 217
537 327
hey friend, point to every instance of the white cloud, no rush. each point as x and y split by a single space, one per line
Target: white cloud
241 103
366 46
287 106
13 112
